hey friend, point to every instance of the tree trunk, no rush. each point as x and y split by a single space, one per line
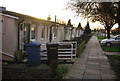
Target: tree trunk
119 25
108 33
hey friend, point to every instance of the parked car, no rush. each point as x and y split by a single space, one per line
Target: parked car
115 40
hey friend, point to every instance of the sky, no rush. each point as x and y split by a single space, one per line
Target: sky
43 8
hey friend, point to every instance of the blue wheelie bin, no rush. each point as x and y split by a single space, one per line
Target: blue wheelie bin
33 53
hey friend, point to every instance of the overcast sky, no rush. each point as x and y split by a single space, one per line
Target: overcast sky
42 8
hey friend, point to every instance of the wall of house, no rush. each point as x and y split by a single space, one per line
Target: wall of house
60 34
59 37
9 36
46 33
79 32
73 32
68 33
43 31
0 36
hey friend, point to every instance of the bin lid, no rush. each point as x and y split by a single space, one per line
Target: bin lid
32 44
52 44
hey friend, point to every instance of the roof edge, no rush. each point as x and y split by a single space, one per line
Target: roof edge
9 16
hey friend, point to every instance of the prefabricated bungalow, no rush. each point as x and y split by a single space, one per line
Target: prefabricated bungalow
9 35
79 31
18 29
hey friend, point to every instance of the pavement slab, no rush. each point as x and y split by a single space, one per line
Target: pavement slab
91 76
92 71
92 64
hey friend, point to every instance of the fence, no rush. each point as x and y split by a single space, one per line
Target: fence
66 51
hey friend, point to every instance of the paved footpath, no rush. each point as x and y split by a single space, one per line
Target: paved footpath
91 64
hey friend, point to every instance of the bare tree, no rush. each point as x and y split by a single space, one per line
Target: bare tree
95 11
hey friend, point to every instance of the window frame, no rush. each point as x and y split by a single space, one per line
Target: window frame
42 33
33 26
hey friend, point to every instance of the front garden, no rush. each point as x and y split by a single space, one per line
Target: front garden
54 70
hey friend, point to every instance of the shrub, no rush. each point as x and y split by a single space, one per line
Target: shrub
61 70
18 56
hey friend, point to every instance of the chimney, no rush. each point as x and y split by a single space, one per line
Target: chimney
2 8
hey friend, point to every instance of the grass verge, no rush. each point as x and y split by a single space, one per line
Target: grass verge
111 49
100 38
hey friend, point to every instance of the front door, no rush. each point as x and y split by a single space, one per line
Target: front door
24 35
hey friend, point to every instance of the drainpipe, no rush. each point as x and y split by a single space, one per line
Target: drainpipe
19 32
50 34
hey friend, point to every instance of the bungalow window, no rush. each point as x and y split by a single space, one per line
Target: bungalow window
26 33
32 32
43 32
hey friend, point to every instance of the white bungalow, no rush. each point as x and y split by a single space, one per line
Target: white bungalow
18 29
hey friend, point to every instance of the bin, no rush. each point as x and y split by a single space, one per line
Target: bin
33 53
52 52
